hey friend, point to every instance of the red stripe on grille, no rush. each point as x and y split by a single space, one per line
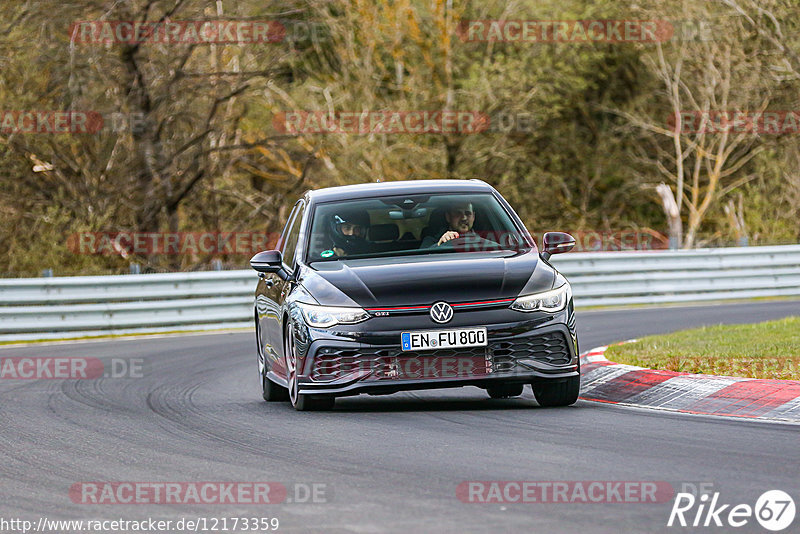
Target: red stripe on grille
482 302
400 308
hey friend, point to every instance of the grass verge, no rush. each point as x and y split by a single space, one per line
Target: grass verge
763 350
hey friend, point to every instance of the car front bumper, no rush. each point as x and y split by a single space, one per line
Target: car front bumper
529 348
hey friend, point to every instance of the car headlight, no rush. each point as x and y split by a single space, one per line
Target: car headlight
549 301
324 316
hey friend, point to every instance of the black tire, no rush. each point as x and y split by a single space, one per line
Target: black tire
300 401
308 403
563 393
505 391
273 392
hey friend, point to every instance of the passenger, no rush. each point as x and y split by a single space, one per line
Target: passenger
348 231
460 218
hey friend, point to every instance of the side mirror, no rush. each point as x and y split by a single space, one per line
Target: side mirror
556 243
268 261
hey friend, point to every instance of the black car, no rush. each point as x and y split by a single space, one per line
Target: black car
385 287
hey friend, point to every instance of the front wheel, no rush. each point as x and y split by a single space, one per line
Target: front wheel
301 402
564 393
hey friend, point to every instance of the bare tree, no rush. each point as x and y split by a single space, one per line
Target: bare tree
701 81
173 115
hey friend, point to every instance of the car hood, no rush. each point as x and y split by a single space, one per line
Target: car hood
423 280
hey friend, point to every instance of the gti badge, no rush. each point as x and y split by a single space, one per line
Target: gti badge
441 312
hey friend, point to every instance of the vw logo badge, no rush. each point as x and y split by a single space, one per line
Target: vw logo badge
441 312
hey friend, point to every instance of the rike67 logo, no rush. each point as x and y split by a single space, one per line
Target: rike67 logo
774 510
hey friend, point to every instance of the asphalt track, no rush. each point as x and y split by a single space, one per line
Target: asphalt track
389 464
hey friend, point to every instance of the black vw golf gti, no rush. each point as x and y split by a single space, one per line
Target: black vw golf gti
384 287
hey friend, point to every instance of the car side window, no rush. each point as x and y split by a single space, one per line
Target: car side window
281 245
290 241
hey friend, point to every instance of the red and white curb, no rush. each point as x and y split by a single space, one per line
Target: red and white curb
606 381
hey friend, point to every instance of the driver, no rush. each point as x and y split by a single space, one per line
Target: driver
348 231
460 217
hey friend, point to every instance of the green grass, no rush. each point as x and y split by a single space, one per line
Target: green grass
764 350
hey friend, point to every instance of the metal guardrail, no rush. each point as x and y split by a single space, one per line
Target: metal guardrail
79 306
681 276
62 307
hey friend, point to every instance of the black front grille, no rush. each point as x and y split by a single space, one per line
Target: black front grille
332 363
550 348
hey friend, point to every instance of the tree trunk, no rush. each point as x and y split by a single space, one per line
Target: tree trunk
673 215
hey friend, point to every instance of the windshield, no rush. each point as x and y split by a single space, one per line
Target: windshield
412 225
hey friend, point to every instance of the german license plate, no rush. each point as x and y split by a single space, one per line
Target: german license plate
444 339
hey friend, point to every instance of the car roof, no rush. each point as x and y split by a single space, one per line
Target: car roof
406 187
